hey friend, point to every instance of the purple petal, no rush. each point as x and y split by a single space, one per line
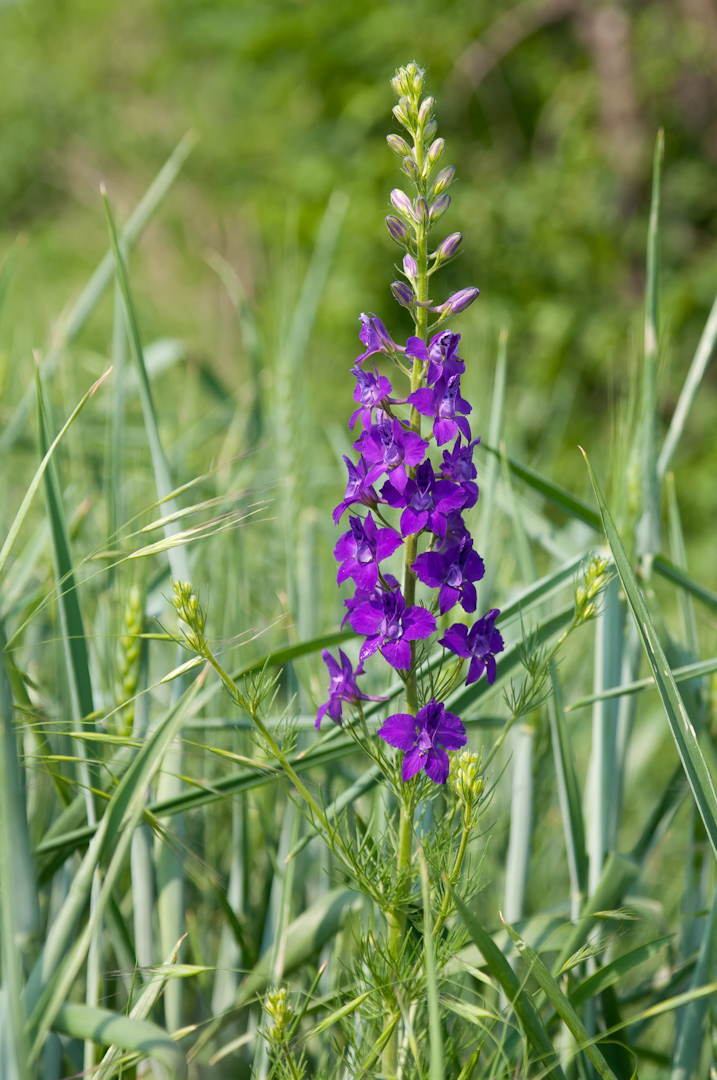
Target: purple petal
388 541
422 400
346 570
451 736
414 449
320 715
444 431
475 670
368 648
398 654
469 597
415 346
448 597
334 669
429 569
438 766
491 669
365 575
413 762
366 618
464 426
413 521
456 639
418 623
399 730
399 479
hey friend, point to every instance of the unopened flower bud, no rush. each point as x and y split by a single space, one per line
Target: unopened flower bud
410 267
410 168
439 207
277 1007
420 209
402 293
398 145
458 302
402 203
400 111
466 779
447 248
430 130
434 152
443 181
595 577
426 109
397 229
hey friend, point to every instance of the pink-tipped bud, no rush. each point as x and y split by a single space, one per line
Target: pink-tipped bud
410 267
401 202
439 207
434 152
420 209
443 181
398 145
397 229
458 302
447 248
425 111
402 293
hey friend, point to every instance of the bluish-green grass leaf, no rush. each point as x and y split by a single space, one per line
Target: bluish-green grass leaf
560 1003
683 732
106 1028
688 1044
519 1000
680 674
611 973
435 1034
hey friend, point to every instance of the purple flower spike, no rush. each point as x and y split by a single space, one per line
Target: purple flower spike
427 501
371 389
402 293
458 465
458 302
375 337
390 626
425 739
480 643
388 447
342 687
453 571
358 489
443 401
361 550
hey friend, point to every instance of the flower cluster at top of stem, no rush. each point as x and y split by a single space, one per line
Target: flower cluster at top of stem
396 471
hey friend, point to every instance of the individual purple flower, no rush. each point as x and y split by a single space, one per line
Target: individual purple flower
443 401
458 465
362 548
388 584
426 501
479 644
456 531
453 572
358 489
371 389
390 626
375 337
342 687
424 739
441 354
388 447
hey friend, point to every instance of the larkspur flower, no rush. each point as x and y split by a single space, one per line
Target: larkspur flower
458 465
388 447
441 354
456 531
362 548
453 572
424 740
457 302
371 389
375 337
426 501
390 626
403 294
358 489
342 688
443 402
479 644
388 584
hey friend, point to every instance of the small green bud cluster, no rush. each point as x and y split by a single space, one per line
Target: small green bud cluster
186 604
595 578
128 660
277 1007
466 780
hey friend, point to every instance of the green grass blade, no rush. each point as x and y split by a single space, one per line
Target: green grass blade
679 558
68 327
683 732
435 1034
519 1000
556 494
37 478
561 1004
698 367
689 1039
568 794
16 887
670 572
107 1028
681 674
495 434
618 874
610 973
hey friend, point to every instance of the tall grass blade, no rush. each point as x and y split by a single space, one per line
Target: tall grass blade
568 795
612 972
619 872
690 1036
435 1034
681 674
683 732
106 1028
679 558
519 1000
495 435
68 327
561 1004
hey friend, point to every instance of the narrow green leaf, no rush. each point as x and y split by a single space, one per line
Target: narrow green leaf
107 1028
670 572
612 972
568 791
688 1045
334 1017
556 494
560 1003
364 783
518 998
681 674
495 434
683 732
435 1035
